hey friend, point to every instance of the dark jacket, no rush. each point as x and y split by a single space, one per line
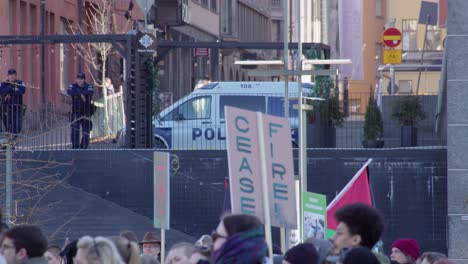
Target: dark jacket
39 260
15 90
80 105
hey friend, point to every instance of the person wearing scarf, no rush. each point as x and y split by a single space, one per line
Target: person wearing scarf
239 239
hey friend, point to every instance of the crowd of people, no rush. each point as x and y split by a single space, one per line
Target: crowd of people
238 239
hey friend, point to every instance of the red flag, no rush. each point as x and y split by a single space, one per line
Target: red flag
356 191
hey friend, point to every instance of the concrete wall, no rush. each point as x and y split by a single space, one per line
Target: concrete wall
409 186
457 143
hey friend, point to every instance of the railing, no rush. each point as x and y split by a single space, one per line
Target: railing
198 123
350 134
53 128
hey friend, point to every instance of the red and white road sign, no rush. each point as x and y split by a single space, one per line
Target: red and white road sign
392 37
201 52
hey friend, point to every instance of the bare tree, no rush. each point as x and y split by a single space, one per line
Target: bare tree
98 20
31 183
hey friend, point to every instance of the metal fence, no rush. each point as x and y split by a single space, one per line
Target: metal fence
198 123
350 134
53 127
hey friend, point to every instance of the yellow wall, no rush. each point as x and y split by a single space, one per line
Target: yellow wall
429 81
373 28
404 9
408 9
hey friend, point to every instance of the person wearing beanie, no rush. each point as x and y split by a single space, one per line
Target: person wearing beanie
360 255
405 251
301 254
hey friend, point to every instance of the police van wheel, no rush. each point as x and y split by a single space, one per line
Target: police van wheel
158 144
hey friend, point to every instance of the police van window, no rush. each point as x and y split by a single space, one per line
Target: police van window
195 108
252 103
276 106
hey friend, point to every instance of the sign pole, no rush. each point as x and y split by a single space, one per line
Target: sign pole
286 57
302 128
161 197
283 239
163 245
286 91
265 192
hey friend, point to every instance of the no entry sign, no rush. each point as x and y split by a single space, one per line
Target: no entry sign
392 37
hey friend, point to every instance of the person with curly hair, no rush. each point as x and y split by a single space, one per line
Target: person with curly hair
359 226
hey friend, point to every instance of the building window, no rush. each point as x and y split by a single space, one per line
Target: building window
355 106
252 103
276 3
434 39
214 5
405 86
379 53
276 31
410 28
378 8
204 3
226 18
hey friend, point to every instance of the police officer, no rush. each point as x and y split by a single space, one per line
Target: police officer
12 91
82 110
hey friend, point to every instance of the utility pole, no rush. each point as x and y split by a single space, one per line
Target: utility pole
43 58
428 20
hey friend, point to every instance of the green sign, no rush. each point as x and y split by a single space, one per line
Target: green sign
314 208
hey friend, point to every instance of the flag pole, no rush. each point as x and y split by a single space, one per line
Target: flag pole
350 183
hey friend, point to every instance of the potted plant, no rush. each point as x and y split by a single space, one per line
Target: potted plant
373 125
327 114
408 111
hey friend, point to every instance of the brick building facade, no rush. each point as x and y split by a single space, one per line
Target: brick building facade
23 17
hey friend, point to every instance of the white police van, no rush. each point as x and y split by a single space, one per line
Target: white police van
197 122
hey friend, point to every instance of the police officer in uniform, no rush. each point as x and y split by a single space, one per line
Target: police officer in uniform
82 110
12 91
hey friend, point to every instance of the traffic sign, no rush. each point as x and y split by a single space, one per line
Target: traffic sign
391 56
205 52
145 5
392 37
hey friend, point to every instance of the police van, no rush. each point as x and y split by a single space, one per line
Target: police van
197 121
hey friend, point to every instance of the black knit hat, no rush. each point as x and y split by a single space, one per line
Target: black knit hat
302 254
361 255
69 252
81 75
